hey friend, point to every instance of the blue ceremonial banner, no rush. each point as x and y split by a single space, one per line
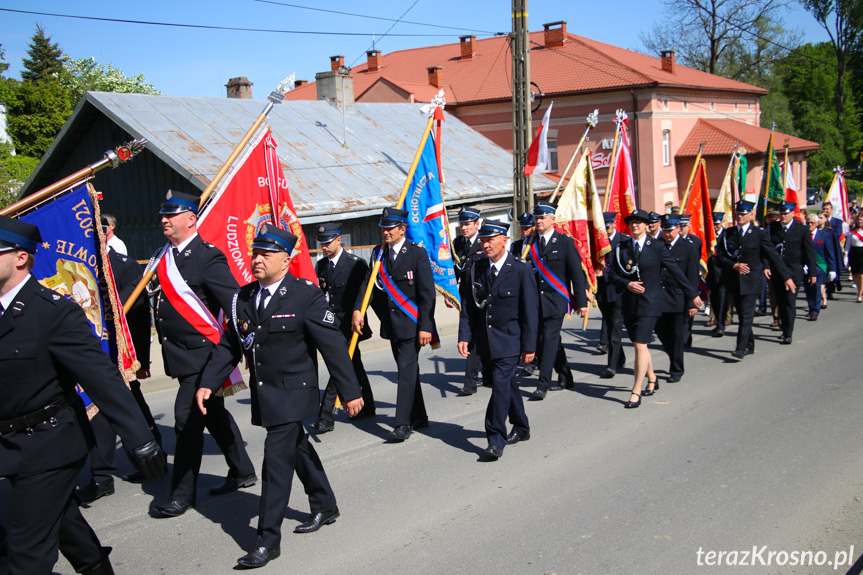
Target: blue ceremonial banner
427 223
69 262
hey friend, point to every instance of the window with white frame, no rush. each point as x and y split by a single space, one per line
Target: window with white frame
666 147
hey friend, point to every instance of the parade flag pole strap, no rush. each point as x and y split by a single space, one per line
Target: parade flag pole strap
592 120
275 97
113 158
692 175
377 263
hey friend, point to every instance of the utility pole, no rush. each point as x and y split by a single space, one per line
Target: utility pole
521 126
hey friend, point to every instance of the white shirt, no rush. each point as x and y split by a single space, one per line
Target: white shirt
498 265
118 245
335 258
674 241
186 242
640 242
397 248
742 229
547 235
271 289
7 299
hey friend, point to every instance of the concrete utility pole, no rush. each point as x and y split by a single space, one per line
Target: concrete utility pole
521 126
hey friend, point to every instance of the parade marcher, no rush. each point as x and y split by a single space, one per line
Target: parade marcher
741 254
196 274
638 265
562 288
127 273
839 229
609 298
340 276
825 262
855 253
405 278
793 241
654 228
109 223
671 327
719 299
50 346
469 251
526 225
277 323
696 243
499 314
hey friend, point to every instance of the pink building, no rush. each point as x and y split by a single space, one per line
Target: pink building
670 106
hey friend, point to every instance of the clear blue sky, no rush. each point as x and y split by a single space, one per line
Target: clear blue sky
192 62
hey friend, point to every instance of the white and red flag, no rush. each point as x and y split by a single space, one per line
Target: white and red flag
254 193
622 188
538 156
579 214
791 194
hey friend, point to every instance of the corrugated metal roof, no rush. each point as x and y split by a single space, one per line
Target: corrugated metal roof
196 135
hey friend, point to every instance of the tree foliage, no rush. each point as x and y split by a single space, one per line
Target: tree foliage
14 171
45 61
3 64
79 76
37 112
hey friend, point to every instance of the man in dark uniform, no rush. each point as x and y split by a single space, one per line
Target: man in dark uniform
608 298
186 350
46 347
127 273
499 314
741 254
562 287
696 243
671 326
718 293
468 250
278 324
654 226
340 275
794 243
526 225
404 301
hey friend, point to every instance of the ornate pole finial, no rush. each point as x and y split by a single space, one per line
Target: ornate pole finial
437 101
593 118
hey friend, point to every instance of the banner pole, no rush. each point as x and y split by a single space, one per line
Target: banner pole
692 177
592 120
614 151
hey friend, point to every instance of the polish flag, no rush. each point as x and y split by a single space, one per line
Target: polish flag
538 156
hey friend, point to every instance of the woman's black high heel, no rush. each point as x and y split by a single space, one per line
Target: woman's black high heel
633 404
648 392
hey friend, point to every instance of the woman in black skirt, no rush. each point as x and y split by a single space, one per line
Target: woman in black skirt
636 269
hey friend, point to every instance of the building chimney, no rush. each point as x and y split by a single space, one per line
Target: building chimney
668 60
467 48
336 88
555 34
300 83
374 60
337 62
239 88
436 76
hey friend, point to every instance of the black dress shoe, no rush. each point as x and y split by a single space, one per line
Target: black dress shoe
608 373
674 378
786 340
569 384
738 354
174 508
134 477
231 484
649 392
750 351
318 520
555 387
718 332
493 451
400 433
515 437
322 426
538 394
602 349
258 557
466 390
633 404
94 490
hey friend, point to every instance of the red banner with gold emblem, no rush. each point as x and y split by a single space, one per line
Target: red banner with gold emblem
244 202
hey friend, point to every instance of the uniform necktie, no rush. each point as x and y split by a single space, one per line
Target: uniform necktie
492 276
176 252
330 267
2 309
542 244
637 250
262 304
390 258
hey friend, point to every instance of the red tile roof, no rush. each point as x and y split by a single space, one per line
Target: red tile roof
580 65
721 135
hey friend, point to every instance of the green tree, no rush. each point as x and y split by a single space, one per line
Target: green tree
79 76
14 171
3 65
37 112
45 58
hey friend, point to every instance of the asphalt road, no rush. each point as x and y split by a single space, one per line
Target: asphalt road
764 453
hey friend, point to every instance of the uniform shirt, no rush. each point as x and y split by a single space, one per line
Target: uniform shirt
118 245
271 289
397 248
335 259
7 299
186 242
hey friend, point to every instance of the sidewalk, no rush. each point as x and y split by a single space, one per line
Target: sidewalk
447 324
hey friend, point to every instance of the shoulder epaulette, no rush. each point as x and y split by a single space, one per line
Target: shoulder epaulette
48 294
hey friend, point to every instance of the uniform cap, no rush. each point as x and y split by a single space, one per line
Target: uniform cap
543 208
718 217
329 232
491 228
744 207
684 219
609 216
637 216
653 217
392 217
18 235
526 220
787 207
468 214
670 221
273 239
178 202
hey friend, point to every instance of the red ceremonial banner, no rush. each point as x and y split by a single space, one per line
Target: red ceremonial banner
701 222
244 202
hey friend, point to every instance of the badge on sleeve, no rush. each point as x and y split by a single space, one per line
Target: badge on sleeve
329 317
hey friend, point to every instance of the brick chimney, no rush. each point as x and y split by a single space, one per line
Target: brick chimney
337 62
555 34
374 59
239 88
300 83
467 46
668 60
436 76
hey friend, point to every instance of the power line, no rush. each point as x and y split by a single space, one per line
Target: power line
387 33
371 17
228 28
